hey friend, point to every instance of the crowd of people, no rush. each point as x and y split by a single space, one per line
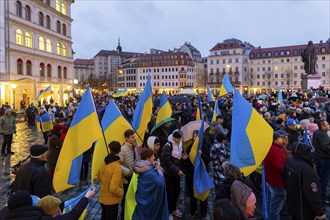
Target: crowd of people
296 167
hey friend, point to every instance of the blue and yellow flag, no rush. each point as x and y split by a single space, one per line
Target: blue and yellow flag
46 92
120 93
114 125
142 112
71 203
210 96
164 113
46 123
279 96
199 110
251 136
226 86
130 201
264 194
84 130
202 181
216 111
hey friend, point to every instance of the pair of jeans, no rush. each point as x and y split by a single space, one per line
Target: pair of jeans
323 171
6 145
275 200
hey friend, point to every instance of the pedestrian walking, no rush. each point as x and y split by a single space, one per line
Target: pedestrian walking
7 129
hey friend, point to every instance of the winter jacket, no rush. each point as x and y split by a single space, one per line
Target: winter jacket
33 177
7 125
171 164
55 145
302 186
111 184
321 142
127 156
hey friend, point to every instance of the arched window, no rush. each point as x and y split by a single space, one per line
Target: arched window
28 13
19 66
28 39
28 68
48 22
48 46
59 72
63 10
64 51
49 71
64 29
19 37
65 76
58 27
19 9
41 19
41 43
58 5
42 69
58 46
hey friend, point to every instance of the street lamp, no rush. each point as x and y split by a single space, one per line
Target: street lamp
14 96
75 82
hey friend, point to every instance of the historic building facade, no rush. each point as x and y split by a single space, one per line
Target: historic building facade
38 50
83 68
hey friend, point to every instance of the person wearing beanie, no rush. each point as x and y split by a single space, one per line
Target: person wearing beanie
171 159
150 185
32 176
302 184
294 134
111 184
7 129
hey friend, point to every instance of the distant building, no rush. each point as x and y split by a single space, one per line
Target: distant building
83 68
35 50
282 67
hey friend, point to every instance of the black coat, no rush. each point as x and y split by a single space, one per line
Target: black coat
33 177
321 142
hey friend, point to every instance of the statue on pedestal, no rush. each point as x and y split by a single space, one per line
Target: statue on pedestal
309 58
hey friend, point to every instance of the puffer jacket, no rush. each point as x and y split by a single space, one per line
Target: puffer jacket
127 156
7 125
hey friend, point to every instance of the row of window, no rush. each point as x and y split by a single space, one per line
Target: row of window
44 45
163 57
157 70
296 52
44 21
163 84
42 69
230 60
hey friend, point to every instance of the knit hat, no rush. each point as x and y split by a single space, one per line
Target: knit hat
19 199
115 147
312 127
49 205
290 122
37 150
278 134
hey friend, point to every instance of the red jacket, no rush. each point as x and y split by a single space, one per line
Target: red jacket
274 166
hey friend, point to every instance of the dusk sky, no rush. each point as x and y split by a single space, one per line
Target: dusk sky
142 25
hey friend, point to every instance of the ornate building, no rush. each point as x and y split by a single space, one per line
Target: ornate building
83 68
38 49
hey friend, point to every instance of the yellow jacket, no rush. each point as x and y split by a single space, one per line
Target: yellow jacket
111 184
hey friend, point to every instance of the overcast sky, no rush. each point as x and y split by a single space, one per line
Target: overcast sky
142 25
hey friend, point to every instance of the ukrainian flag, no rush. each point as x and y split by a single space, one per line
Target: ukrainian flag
226 86
251 136
130 202
210 96
83 132
142 112
164 113
199 111
46 123
216 111
46 92
120 93
71 203
114 125
279 96
202 181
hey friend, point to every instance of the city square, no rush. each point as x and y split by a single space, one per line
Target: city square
138 114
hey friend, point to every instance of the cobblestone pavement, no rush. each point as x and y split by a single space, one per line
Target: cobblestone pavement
26 136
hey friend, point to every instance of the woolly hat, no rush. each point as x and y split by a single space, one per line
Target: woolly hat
19 199
312 127
37 150
49 205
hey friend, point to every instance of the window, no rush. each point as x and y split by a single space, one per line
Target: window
269 68
211 62
323 73
323 58
276 53
63 9
49 71
28 13
58 27
42 69
59 72
47 22
48 46
63 29
58 5
41 19
288 52
276 75
236 60
65 73
19 66
282 52
28 39
19 37
19 9
28 68
47 2
64 51
295 52
59 48
323 66
41 43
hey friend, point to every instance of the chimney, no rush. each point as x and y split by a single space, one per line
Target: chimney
321 41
